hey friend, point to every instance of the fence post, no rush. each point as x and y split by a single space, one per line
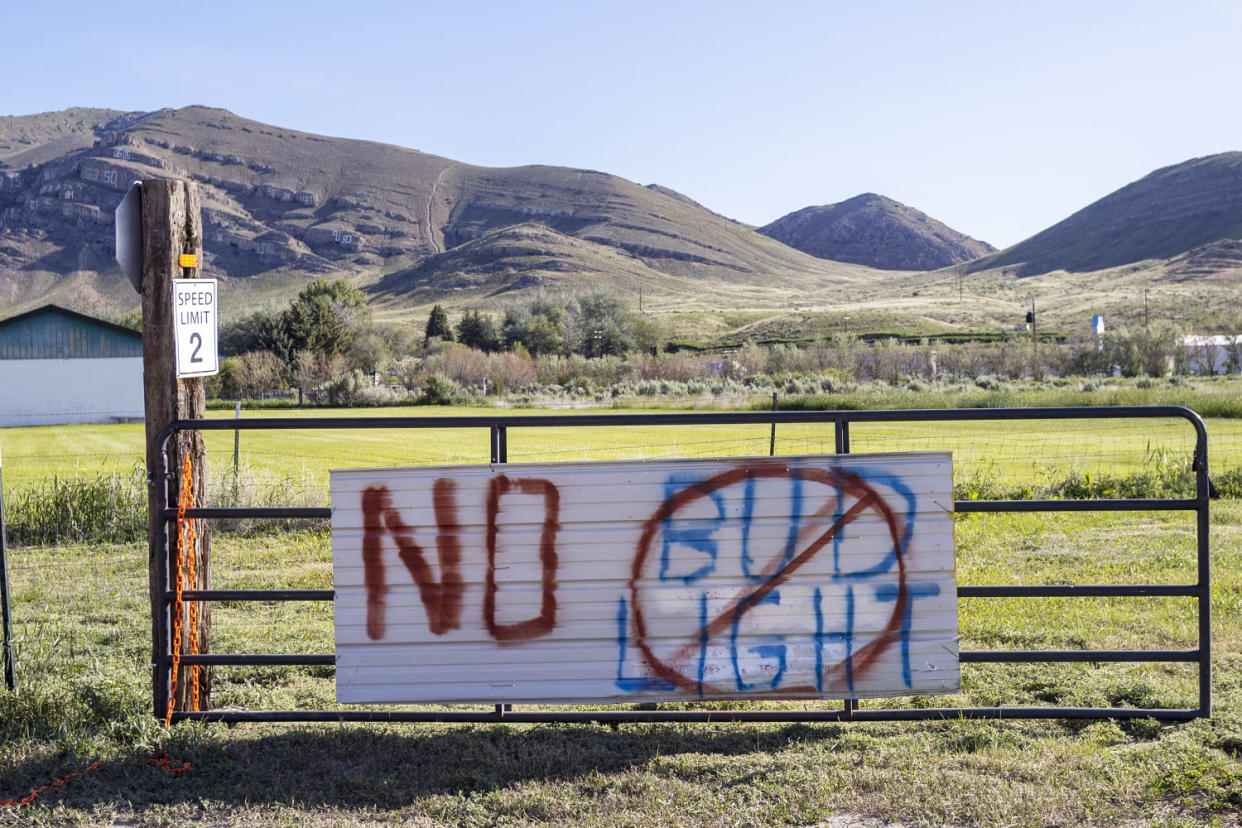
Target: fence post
772 439
500 454
236 452
10 677
171 228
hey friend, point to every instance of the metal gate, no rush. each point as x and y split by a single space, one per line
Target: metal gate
841 422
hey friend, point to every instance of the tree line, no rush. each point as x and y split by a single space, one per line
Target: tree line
592 324
327 344
327 337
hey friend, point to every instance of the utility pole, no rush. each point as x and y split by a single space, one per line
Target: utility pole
1035 371
172 242
237 448
1145 316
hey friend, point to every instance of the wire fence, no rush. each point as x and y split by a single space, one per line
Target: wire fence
91 486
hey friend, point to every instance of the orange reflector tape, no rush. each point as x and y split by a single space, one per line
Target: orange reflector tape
187 260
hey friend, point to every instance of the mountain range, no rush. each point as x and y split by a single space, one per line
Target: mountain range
281 207
409 225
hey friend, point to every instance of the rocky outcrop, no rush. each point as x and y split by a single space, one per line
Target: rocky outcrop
872 230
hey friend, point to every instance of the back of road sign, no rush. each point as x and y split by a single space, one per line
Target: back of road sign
129 235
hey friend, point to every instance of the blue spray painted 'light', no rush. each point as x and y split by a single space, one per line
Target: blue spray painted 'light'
633 684
702 639
776 651
889 592
846 636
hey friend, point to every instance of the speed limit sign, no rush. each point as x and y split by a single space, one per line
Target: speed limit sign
196 326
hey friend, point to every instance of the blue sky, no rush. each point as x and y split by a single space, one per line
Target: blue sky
997 118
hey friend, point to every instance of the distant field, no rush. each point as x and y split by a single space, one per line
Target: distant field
1015 452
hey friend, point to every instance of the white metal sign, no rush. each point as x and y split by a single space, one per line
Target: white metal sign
196 327
785 577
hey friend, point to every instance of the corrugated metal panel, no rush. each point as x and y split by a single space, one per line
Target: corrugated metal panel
826 577
52 334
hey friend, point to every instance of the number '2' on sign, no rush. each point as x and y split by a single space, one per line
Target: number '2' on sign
196 326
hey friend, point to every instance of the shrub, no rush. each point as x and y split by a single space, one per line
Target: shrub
373 395
437 391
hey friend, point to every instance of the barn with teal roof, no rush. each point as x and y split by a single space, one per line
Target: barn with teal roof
58 366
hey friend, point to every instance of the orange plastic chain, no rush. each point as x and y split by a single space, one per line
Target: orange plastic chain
186 570
172 766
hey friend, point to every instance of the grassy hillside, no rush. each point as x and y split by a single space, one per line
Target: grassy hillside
34 139
1163 215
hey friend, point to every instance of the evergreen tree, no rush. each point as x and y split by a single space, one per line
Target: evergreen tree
438 326
478 331
341 293
318 325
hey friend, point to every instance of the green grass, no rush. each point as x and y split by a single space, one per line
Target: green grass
82 631
83 648
1009 453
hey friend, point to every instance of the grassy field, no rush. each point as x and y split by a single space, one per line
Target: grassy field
1013 451
83 648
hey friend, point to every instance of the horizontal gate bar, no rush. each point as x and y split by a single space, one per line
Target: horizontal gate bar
967 656
1076 590
257 660
704 716
1083 505
691 418
1023 656
253 595
256 512
1078 505
998 591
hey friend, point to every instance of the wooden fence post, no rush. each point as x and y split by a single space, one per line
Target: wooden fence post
10 677
172 227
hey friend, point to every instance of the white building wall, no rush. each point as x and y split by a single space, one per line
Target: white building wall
1212 354
59 391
